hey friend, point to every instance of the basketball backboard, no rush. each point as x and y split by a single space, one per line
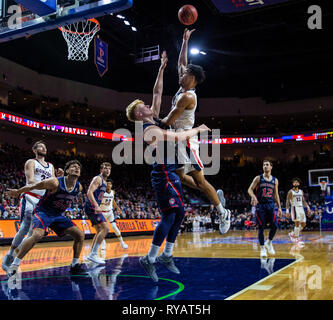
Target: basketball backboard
17 21
318 175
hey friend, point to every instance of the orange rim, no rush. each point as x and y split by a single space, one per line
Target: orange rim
63 29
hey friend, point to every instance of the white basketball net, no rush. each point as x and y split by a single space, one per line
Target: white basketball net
78 36
323 185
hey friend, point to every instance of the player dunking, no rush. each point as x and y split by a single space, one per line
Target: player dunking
295 197
164 179
267 193
94 212
107 205
182 118
49 211
35 170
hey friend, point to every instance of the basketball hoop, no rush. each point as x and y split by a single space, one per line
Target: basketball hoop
323 185
78 36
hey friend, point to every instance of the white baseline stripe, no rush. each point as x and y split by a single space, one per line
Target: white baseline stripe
262 280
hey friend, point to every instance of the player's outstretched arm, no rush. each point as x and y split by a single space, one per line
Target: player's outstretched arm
288 200
48 184
182 59
306 204
115 205
277 197
250 191
154 134
158 87
186 100
95 183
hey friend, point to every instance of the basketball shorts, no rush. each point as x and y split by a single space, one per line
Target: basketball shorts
188 155
265 213
58 224
298 214
109 216
28 203
168 192
95 218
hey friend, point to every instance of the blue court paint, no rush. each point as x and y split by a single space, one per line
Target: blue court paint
241 240
200 279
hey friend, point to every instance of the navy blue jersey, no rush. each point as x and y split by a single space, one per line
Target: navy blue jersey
168 162
265 190
98 194
55 204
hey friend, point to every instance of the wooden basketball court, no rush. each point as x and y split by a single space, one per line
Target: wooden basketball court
212 267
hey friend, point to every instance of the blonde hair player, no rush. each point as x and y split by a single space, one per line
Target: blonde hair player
182 118
107 205
164 179
35 170
295 197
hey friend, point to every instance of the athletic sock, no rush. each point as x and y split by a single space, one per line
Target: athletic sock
75 261
168 249
121 239
16 261
94 249
11 251
296 231
220 209
153 252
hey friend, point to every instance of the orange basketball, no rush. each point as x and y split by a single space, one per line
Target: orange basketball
187 14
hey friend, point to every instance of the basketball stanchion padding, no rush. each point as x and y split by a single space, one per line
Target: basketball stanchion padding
78 36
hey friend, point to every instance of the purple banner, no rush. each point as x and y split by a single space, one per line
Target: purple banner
101 56
229 6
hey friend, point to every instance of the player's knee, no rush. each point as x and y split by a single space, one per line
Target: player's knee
260 228
77 234
37 234
80 236
104 228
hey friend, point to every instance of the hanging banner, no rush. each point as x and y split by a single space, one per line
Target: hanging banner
327 217
101 56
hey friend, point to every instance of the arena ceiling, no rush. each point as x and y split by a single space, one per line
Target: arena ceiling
269 53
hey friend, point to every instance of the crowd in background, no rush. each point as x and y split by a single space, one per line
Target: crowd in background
135 196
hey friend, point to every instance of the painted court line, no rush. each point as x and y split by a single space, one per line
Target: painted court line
252 286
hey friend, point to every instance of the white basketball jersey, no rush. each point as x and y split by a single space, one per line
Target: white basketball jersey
297 199
187 118
42 173
107 201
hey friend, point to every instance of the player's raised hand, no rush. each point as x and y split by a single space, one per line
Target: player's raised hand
164 60
187 34
59 172
13 193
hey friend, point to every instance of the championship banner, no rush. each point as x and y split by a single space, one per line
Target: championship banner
231 6
9 228
327 217
101 56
